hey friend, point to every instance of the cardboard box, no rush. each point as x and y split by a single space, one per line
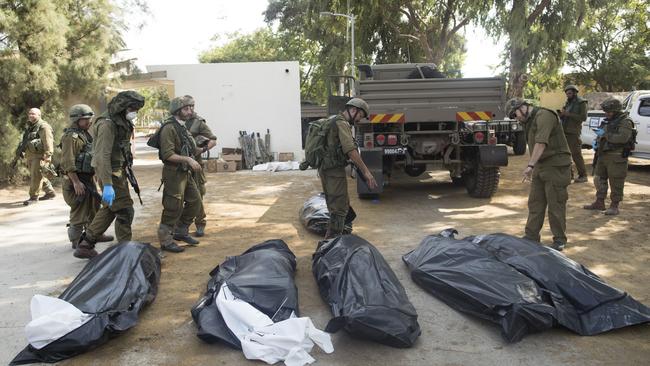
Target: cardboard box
285 156
226 166
211 165
231 157
230 150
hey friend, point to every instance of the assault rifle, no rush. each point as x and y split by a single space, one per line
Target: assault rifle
128 170
20 151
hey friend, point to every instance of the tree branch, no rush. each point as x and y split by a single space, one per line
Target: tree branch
538 11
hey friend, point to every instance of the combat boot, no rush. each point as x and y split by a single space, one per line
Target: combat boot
47 196
166 242
558 245
182 233
598 204
85 250
613 209
200 231
105 238
31 200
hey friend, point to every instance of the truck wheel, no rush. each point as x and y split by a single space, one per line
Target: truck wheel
519 145
482 182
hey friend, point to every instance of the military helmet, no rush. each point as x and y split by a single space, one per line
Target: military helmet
189 100
611 104
512 105
359 103
79 111
177 103
571 87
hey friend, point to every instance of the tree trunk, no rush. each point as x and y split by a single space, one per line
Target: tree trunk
518 34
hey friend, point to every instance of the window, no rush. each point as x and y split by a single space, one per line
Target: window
644 107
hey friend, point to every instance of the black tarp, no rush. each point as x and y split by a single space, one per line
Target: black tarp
114 287
263 276
584 303
467 278
365 296
315 216
477 273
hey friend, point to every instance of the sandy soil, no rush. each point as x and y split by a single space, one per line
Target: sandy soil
246 208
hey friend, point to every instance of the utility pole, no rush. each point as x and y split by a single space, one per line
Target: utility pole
350 18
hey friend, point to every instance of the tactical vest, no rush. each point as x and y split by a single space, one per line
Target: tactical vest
188 145
33 139
333 156
612 127
121 155
84 157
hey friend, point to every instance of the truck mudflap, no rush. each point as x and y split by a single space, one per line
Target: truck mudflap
374 160
493 155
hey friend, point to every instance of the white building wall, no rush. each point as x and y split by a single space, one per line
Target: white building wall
249 96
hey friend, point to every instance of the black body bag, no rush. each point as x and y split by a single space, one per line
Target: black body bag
315 216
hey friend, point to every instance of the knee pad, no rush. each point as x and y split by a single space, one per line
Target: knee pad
125 215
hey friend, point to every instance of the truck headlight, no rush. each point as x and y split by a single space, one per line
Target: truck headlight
514 126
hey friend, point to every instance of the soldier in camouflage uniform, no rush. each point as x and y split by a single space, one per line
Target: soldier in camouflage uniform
181 198
572 115
614 140
205 140
39 140
548 170
112 133
342 146
79 189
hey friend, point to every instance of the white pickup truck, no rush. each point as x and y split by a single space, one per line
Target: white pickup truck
637 104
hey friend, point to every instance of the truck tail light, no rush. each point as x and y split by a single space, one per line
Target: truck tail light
392 140
479 137
381 139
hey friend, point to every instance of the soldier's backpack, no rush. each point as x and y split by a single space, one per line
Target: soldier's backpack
316 143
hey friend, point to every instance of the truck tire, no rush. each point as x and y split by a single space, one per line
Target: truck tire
482 182
519 145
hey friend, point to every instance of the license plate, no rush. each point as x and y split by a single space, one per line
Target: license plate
594 122
395 151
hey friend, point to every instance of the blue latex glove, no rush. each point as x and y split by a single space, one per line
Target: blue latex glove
108 194
594 145
599 132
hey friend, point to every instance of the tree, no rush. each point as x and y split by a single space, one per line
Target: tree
50 50
537 32
266 45
613 53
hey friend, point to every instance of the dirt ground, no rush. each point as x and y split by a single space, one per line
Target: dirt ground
246 208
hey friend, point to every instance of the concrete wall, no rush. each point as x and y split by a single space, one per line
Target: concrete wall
234 97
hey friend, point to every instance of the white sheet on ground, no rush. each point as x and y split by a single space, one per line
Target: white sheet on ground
277 166
52 318
289 340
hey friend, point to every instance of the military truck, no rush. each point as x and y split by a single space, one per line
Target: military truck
421 121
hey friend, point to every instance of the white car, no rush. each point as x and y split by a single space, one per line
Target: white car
637 104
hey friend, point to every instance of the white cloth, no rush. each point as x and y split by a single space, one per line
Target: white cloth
289 340
277 166
52 318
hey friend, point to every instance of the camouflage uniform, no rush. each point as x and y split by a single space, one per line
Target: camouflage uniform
199 127
40 142
576 110
332 173
181 198
76 157
551 175
112 134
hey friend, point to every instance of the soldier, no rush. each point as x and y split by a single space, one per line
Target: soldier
548 170
572 115
79 190
205 140
177 149
332 171
614 141
38 142
112 133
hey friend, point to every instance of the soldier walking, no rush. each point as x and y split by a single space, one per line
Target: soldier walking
181 198
614 141
548 170
572 115
112 154
205 140
79 189
341 146
38 146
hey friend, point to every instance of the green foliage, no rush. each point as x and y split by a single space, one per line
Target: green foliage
156 105
49 51
613 52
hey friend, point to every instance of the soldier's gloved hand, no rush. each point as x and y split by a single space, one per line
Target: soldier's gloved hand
108 194
599 132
